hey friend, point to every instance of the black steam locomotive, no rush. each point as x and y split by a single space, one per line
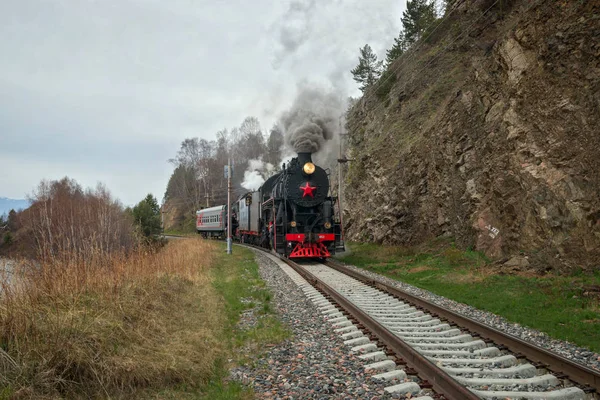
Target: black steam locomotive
291 212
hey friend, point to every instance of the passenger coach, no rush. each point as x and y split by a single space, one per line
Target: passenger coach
212 222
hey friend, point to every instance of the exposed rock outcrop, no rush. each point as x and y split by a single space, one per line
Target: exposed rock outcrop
490 135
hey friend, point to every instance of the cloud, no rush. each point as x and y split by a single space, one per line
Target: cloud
106 90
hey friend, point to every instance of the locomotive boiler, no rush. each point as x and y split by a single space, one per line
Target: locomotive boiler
295 215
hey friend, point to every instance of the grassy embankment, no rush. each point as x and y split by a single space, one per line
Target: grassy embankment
174 232
147 325
561 306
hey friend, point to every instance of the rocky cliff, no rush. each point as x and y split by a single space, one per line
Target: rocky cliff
487 133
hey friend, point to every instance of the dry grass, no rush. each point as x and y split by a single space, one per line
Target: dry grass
110 326
420 268
477 276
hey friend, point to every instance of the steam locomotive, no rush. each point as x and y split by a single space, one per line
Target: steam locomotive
291 213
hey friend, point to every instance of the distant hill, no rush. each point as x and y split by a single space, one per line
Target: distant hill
7 204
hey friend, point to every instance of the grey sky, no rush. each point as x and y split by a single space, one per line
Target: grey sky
106 90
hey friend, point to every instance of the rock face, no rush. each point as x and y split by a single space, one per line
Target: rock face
177 216
490 134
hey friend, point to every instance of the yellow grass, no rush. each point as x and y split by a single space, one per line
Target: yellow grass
111 326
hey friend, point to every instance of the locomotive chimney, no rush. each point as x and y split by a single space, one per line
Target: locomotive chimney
304 157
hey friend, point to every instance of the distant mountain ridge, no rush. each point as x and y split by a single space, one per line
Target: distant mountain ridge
7 204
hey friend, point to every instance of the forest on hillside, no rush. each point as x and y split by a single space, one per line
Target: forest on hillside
198 178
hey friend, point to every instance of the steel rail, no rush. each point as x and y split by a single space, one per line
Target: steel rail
588 378
440 381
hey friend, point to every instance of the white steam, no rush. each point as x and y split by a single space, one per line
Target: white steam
256 173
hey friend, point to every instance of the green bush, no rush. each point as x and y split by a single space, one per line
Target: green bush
386 82
146 215
8 238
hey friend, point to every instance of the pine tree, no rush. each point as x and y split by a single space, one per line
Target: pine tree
368 69
398 48
417 17
146 215
13 221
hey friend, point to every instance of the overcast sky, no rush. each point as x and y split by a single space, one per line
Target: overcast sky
106 90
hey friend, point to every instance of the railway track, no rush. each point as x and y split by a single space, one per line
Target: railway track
427 351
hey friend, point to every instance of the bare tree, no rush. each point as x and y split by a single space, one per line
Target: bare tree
197 155
72 225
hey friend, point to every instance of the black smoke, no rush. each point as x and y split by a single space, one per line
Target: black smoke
313 120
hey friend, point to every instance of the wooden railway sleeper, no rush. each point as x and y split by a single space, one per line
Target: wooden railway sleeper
587 389
425 384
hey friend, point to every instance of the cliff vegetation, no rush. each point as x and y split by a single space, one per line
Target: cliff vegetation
486 131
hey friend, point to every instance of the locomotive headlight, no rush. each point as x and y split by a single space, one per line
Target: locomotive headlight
293 224
328 225
308 168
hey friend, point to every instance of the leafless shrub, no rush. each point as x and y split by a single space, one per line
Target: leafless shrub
94 314
69 224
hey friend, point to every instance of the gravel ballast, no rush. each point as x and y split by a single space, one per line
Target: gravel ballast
565 349
314 363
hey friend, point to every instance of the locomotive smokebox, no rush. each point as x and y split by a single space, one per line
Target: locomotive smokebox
304 157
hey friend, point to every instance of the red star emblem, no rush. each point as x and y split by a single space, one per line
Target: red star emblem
308 190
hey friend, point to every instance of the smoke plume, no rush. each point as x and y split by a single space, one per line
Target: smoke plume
256 173
313 122
293 28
